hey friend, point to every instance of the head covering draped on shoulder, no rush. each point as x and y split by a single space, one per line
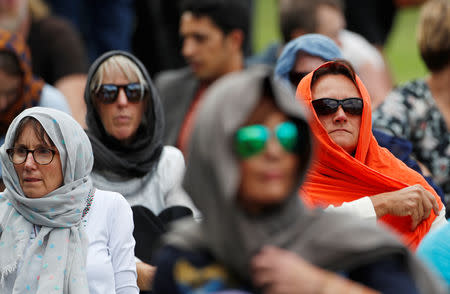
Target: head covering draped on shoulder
142 155
31 85
312 44
212 178
61 244
372 170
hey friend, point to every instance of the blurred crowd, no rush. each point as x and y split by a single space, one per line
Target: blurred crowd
145 147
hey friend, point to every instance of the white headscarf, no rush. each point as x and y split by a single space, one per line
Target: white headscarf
61 244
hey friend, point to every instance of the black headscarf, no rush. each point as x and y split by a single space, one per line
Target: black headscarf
139 157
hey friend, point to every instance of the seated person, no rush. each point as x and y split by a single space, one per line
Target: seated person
19 87
304 54
352 165
126 128
419 110
58 234
434 250
248 158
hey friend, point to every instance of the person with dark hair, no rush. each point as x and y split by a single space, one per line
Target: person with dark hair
350 165
19 87
58 54
213 33
307 52
249 154
419 110
326 17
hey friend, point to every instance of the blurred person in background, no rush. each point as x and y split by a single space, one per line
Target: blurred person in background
213 47
434 250
249 154
156 40
419 110
19 87
58 53
326 17
105 25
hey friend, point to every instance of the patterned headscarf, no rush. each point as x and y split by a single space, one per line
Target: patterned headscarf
61 244
31 85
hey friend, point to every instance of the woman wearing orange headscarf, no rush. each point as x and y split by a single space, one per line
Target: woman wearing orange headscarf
349 163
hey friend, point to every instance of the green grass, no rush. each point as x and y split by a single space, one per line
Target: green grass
401 49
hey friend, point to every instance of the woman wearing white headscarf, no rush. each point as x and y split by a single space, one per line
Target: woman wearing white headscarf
54 237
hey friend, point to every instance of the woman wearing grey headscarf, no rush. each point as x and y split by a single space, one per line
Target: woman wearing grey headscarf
58 234
249 154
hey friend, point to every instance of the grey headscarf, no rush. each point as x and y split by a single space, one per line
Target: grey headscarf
142 155
61 244
332 241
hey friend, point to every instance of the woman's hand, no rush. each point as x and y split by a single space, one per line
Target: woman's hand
145 275
414 201
278 271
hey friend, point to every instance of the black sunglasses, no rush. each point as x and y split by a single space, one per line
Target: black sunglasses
295 77
324 106
108 93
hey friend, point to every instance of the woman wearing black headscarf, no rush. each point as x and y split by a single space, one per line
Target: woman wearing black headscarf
125 125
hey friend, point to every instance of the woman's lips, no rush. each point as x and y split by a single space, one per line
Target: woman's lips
272 176
340 130
31 180
122 119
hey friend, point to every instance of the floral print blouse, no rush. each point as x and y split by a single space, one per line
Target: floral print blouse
410 112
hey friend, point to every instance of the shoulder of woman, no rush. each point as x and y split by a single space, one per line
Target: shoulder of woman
171 158
53 98
110 199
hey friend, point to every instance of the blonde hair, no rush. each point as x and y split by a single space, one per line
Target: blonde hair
115 64
38 9
433 34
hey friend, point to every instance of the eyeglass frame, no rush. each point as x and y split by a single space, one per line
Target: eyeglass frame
11 153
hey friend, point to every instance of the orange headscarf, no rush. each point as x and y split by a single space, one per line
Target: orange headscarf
338 177
31 86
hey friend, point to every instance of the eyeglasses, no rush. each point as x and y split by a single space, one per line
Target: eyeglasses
325 106
107 93
295 77
251 140
42 156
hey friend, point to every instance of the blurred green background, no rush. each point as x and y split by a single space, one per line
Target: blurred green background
401 49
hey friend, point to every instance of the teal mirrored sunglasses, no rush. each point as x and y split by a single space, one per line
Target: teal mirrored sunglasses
251 140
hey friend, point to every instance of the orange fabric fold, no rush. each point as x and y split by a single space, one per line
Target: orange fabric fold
336 176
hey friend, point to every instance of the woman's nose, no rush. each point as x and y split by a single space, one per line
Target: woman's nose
340 115
29 161
122 99
273 147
